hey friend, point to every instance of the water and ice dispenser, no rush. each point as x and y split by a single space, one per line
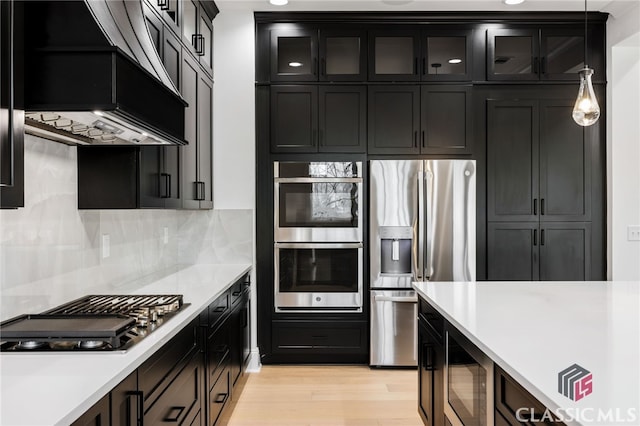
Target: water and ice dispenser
395 250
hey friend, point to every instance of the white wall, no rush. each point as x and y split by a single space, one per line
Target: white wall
234 111
623 142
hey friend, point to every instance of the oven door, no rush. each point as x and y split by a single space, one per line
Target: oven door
320 202
468 382
318 277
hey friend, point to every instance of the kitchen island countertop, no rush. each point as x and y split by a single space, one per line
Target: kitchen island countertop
534 330
56 388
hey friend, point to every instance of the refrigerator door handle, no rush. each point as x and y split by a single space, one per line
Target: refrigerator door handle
396 299
428 231
419 249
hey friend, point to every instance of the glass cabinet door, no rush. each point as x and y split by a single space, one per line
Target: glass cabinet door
512 54
446 55
343 55
393 56
562 54
294 55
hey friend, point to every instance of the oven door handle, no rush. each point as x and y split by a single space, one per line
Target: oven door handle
318 245
318 180
396 299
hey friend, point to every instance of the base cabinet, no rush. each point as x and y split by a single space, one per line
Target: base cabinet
193 378
430 366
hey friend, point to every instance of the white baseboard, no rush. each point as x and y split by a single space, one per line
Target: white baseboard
254 365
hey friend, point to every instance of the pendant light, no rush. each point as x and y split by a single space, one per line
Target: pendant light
586 110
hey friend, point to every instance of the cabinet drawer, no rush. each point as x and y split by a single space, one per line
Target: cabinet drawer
319 337
181 399
431 319
160 369
218 309
217 352
218 396
511 397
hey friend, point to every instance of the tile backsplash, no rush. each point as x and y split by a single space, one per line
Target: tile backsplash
51 252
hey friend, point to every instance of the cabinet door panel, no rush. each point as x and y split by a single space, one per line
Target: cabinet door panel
446 120
189 91
171 57
393 55
512 160
565 171
394 119
294 118
343 115
565 251
512 252
430 377
205 141
512 54
447 55
343 55
562 53
294 55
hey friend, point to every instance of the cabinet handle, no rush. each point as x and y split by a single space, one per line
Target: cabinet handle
542 237
236 293
321 137
323 67
535 206
535 237
200 191
428 358
536 65
221 398
423 143
543 65
415 139
163 4
542 206
164 193
139 395
220 309
315 66
197 41
168 185
415 66
174 414
424 66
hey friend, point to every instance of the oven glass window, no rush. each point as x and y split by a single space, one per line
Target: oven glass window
466 393
308 205
311 270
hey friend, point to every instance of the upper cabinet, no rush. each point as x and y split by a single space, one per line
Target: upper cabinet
432 53
11 106
312 54
197 31
547 53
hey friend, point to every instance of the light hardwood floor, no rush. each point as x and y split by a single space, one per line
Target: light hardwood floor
328 396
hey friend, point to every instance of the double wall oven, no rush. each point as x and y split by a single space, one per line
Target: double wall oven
318 252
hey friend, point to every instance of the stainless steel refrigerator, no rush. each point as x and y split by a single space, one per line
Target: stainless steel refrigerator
422 220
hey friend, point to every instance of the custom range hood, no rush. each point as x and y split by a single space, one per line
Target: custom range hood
93 76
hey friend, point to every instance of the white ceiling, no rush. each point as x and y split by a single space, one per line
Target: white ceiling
615 7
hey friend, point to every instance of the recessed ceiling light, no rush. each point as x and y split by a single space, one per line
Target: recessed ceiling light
455 60
295 64
512 2
278 2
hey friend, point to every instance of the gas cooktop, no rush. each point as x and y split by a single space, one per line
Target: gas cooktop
91 323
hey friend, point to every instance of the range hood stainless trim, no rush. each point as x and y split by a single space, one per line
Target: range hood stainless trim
108 63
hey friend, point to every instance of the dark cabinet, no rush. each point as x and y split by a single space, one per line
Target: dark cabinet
511 398
538 162
431 360
98 415
197 156
11 105
547 53
394 55
414 120
317 54
122 177
318 119
414 54
126 402
197 30
539 190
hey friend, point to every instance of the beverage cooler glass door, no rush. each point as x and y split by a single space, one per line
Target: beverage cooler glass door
318 201
318 277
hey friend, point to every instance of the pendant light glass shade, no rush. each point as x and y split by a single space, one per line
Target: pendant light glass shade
586 111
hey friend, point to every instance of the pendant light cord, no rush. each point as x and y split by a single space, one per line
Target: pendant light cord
585 34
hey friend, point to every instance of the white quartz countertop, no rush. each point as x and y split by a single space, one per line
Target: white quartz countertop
55 389
534 330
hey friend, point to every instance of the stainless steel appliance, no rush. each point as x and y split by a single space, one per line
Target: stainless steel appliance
91 323
422 227
318 201
468 382
318 277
